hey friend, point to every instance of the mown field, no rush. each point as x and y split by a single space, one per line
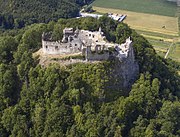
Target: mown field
146 22
159 7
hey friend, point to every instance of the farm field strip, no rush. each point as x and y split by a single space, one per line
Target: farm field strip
157 38
161 48
166 32
159 45
146 22
156 34
158 7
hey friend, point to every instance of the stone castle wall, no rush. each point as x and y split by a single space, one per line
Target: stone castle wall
97 56
59 48
76 42
90 44
93 46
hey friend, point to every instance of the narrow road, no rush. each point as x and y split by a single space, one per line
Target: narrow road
168 50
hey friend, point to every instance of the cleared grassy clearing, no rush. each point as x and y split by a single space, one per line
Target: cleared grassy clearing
175 53
161 48
146 22
158 7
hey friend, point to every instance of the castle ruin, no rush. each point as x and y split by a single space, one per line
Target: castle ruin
94 47
90 44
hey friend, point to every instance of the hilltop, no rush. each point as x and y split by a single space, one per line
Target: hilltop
85 99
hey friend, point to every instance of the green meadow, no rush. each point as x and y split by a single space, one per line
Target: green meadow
159 7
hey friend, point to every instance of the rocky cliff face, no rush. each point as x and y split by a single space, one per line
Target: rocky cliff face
128 71
129 68
124 71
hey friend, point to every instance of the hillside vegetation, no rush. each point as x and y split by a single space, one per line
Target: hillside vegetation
74 101
18 13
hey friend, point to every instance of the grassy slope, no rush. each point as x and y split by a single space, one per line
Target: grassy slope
159 7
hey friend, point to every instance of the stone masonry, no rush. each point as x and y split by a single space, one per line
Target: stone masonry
91 44
94 47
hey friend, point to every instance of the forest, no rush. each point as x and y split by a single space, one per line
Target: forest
74 101
19 13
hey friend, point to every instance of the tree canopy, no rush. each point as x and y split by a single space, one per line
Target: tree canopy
74 100
18 13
